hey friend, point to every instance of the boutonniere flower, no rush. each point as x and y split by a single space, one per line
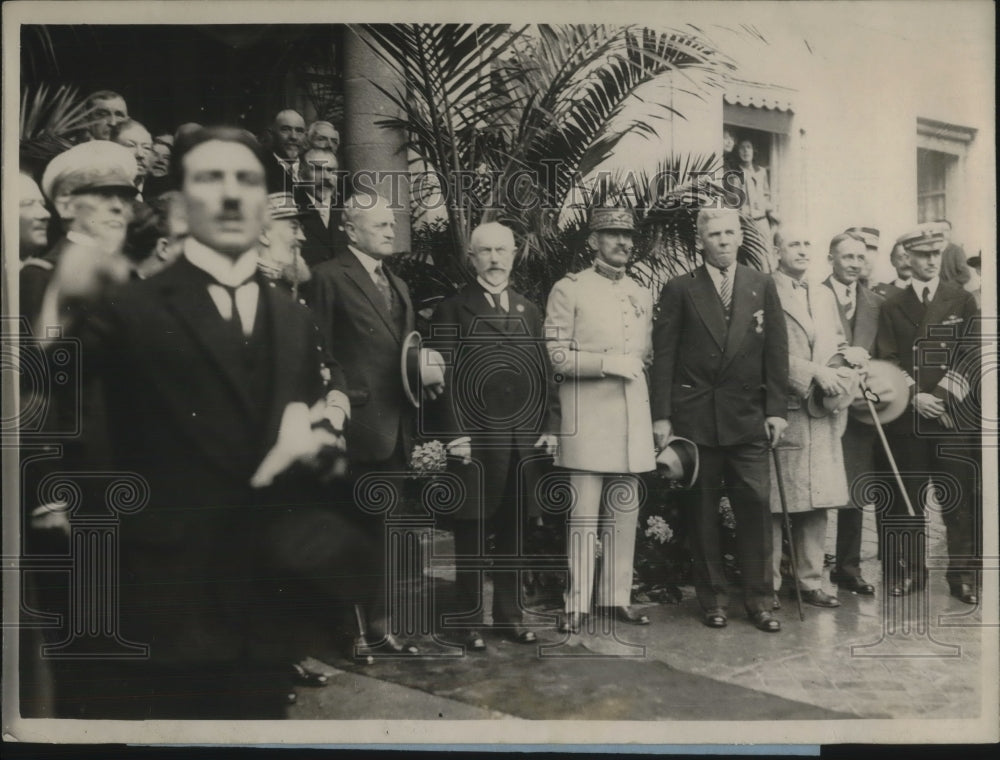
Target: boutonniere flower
520 307
636 306
759 318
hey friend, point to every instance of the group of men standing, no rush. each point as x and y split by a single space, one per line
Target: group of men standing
240 406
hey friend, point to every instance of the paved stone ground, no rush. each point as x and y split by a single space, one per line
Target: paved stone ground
845 662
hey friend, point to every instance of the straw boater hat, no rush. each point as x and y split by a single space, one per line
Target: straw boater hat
819 404
888 383
678 461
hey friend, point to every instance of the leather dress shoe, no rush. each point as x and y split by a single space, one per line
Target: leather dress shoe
765 621
853 583
626 615
525 637
965 592
714 619
474 641
388 644
571 622
904 587
817 597
309 677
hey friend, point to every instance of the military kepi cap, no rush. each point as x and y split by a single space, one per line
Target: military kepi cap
926 238
283 206
612 219
90 166
869 234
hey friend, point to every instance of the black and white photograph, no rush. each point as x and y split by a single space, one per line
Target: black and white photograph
579 376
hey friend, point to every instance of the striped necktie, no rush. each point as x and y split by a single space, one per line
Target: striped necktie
726 288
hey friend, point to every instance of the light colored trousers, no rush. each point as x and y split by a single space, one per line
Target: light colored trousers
605 509
809 539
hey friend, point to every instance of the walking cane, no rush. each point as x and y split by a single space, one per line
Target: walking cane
788 528
873 398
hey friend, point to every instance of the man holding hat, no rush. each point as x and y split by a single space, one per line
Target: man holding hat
931 313
599 324
858 309
720 376
91 187
812 462
365 317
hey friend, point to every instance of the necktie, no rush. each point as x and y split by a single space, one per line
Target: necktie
927 296
235 322
726 288
382 283
849 304
497 300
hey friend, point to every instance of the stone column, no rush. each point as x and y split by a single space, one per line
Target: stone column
366 146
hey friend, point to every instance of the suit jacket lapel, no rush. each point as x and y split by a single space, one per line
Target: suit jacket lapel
940 308
483 315
360 277
911 306
741 317
707 304
793 306
865 318
404 296
187 296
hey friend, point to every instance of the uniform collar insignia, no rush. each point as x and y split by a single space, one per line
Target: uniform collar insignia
606 270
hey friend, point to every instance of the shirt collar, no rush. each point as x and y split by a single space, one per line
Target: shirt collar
791 281
919 285
845 292
369 262
226 271
902 284
494 289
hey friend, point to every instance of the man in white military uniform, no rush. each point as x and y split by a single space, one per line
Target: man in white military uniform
599 332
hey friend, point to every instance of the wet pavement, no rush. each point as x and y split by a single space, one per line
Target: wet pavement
873 657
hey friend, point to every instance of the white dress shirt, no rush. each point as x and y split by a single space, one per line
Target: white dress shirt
495 291
234 273
370 263
919 285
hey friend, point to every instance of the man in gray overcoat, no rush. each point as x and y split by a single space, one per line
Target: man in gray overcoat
811 457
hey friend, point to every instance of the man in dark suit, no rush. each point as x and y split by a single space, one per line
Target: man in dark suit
317 202
287 138
214 397
364 314
499 419
720 378
954 267
933 314
858 308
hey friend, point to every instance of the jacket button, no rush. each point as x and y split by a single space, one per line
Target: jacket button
746 387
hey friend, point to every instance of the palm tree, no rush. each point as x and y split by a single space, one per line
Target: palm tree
514 118
51 120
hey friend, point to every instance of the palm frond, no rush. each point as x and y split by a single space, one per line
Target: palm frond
50 120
